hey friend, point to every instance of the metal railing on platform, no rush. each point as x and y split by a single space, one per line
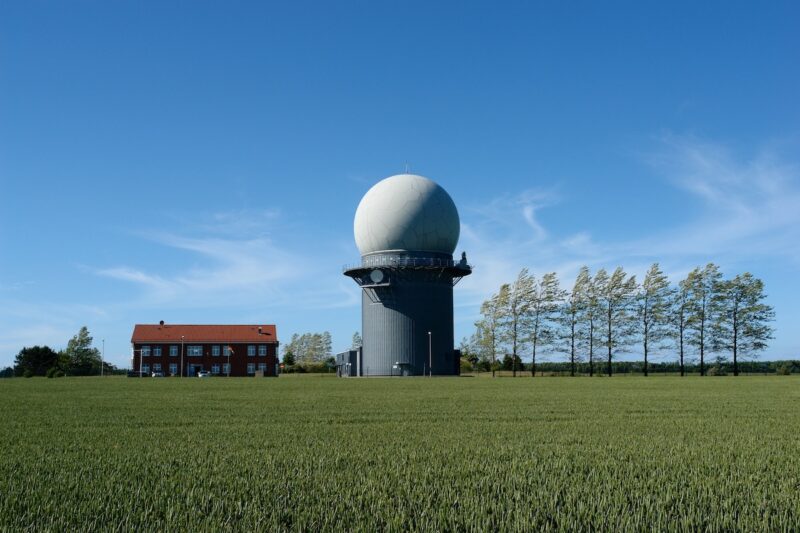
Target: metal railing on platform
408 262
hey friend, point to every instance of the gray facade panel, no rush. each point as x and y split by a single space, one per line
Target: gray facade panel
396 321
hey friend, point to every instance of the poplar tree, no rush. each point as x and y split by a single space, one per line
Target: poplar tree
357 341
617 297
83 360
653 306
703 284
326 345
678 319
570 316
490 327
516 313
742 317
310 347
594 314
545 297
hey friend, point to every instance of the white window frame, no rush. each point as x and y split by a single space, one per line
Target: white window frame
215 369
173 368
173 350
251 368
215 350
226 368
251 350
146 369
156 367
156 351
194 350
145 351
262 367
262 350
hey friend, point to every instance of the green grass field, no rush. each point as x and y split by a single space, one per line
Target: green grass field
308 453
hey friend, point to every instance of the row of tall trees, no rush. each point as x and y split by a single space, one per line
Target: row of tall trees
604 315
308 348
79 358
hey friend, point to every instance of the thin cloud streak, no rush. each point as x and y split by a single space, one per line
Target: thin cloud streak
239 272
749 208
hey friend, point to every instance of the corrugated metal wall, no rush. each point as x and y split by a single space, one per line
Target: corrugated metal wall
395 328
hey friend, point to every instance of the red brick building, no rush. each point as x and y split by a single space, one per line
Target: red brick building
223 350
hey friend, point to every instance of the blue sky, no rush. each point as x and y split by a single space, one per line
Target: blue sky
202 162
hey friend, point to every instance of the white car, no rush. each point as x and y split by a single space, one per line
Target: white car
204 374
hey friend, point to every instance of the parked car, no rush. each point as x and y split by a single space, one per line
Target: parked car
204 374
158 374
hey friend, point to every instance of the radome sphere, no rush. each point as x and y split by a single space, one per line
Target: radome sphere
406 212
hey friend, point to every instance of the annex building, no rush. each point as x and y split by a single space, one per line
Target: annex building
222 350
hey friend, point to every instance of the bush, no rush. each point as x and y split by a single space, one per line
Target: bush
51 372
785 369
717 370
466 366
28 373
60 373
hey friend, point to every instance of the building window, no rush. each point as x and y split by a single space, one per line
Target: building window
156 351
215 369
251 368
157 367
145 351
215 350
262 350
173 369
194 351
251 350
146 369
173 350
226 369
262 367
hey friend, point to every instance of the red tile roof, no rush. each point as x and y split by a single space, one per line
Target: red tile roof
203 333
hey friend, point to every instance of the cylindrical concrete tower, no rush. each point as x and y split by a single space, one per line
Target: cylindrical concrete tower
406 228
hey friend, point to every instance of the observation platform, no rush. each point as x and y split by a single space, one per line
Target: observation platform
455 269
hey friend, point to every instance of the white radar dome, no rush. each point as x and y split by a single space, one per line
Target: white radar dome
406 212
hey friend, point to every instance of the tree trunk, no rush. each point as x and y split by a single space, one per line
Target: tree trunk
609 341
591 348
681 348
572 352
735 343
645 336
514 354
702 346
533 359
702 359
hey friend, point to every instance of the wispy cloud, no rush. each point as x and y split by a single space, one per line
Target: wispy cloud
749 204
135 276
232 267
515 212
749 208
233 262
